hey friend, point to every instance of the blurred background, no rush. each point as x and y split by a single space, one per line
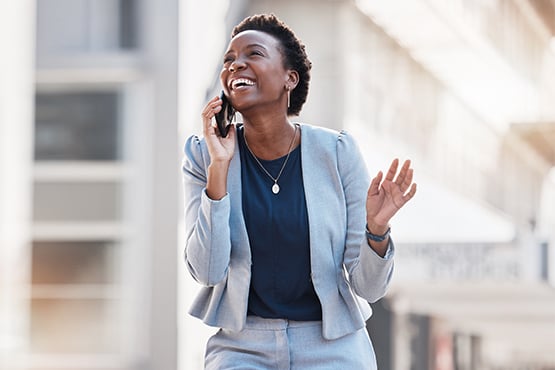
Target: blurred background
98 96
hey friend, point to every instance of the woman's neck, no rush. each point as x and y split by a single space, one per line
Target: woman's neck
270 139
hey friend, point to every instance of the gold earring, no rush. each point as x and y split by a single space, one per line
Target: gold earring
288 96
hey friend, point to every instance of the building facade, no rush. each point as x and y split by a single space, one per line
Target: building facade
89 278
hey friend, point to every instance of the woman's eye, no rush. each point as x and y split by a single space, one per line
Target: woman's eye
255 52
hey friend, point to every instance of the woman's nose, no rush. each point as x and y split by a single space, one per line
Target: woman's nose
236 65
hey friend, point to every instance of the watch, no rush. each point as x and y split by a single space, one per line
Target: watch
377 238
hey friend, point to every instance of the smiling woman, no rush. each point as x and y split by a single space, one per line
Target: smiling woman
273 263
254 76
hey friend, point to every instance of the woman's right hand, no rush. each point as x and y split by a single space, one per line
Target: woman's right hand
221 150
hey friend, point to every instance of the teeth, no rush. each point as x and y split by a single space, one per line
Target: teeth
241 81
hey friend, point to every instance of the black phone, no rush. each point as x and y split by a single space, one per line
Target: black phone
224 116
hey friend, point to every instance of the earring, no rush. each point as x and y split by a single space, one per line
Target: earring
288 96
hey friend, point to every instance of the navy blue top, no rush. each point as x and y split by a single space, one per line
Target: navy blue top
277 225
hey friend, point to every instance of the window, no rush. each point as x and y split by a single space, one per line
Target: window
128 24
77 126
82 26
74 301
73 262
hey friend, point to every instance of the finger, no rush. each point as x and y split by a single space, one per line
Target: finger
403 173
408 196
375 184
209 107
392 170
208 113
407 180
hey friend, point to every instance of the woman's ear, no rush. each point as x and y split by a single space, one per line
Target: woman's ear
292 79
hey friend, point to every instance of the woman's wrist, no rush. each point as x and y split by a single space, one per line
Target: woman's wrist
216 185
377 237
375 228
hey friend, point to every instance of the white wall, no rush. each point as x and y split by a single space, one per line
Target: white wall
16 153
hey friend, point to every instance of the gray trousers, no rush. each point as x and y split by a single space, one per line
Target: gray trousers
279 344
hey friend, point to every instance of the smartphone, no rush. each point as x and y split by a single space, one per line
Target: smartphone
224 116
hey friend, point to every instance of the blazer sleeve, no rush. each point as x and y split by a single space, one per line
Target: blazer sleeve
208 245
369 273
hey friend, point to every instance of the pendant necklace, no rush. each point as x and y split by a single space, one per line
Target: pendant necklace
275 187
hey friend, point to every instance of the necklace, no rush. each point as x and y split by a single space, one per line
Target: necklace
275 187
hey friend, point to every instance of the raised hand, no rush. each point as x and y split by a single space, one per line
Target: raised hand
386 197
221 149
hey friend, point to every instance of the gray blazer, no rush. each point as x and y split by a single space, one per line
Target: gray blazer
346 272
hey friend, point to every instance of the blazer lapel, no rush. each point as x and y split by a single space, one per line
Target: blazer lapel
238 229
316 189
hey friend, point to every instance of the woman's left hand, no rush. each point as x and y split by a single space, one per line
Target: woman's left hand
386 197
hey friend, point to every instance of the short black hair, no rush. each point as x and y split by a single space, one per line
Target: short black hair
292 49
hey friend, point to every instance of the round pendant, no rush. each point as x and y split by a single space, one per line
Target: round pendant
275 188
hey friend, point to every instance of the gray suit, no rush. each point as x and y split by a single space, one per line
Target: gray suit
346 272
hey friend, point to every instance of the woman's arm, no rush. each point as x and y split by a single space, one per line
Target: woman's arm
208 244
207 206
369 272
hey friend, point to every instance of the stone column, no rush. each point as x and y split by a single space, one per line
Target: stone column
17 35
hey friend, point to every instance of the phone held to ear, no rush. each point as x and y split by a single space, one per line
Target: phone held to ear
224 116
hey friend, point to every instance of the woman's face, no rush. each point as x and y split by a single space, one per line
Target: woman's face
253 75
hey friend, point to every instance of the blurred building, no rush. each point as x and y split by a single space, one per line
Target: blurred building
90 184
90 99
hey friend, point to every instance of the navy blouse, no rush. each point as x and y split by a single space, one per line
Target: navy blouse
277 225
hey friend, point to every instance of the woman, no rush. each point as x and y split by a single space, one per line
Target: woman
276 215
